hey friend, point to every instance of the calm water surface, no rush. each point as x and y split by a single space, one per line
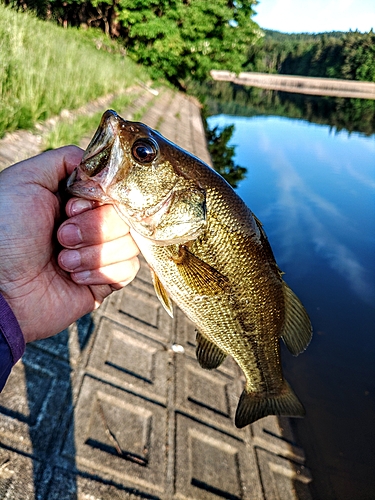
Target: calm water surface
314 191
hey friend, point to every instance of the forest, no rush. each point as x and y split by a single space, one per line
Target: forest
176 39
182 40
353 115
331 55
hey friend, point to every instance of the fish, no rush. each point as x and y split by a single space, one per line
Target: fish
207 252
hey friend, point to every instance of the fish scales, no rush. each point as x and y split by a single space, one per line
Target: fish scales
207 252
253 287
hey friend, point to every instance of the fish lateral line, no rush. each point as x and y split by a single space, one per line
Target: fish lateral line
207 252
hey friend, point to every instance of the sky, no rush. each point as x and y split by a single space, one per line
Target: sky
315 16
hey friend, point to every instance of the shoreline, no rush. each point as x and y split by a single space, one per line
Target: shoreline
300 84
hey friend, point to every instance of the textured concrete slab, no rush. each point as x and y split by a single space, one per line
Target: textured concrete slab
117 407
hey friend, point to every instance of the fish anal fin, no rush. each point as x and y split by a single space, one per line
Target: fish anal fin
199 275
161 293
208 354
253 406
297 331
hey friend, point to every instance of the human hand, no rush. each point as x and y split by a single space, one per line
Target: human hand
48 292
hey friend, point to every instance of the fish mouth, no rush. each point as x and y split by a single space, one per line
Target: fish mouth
102 141
93 173
81 185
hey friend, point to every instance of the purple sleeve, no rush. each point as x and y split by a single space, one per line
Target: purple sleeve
12 342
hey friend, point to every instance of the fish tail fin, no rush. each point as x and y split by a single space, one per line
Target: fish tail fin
252 406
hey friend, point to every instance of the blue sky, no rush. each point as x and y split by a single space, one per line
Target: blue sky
315 16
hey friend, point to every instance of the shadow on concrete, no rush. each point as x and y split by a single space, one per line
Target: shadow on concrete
51 382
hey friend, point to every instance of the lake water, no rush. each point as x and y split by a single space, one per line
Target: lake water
313 188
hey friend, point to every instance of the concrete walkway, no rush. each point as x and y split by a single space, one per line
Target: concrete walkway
117 407
300 84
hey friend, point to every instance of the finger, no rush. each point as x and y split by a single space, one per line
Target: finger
92 227
121 273
72 157
76 206
49 168
99 293
97 256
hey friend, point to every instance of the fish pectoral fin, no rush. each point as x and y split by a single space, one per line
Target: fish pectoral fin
253 406
297 331
161 293
208 354
199 275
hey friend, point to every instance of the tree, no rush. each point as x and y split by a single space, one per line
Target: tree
222 154
180 38
332 55
359 56
175 38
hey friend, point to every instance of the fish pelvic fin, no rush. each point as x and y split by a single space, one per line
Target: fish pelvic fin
161 293
297 331
208 354
253 406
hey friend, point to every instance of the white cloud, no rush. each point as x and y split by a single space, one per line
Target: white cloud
297 207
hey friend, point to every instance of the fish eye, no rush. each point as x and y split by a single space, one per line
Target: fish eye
145 150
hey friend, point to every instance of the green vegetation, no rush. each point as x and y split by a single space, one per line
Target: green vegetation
222 154
174 38
44 69
353 115
71 131
179 39
184 39
332 55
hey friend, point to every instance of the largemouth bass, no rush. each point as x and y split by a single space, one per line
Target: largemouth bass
207 252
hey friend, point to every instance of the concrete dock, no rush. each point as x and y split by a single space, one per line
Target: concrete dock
300 84
117 407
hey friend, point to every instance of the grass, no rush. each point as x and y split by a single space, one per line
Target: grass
72 130
45 68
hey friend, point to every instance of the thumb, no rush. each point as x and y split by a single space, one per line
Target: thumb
49 168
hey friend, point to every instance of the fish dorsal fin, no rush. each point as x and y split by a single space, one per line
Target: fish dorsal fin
297 331
208 354
161 293
199 275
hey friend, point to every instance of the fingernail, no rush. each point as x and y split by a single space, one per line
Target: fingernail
79 206
70 259
70 235
82 276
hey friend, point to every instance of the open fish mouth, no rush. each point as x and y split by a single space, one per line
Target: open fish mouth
103 138
93 173
82 185
115 169
93 188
